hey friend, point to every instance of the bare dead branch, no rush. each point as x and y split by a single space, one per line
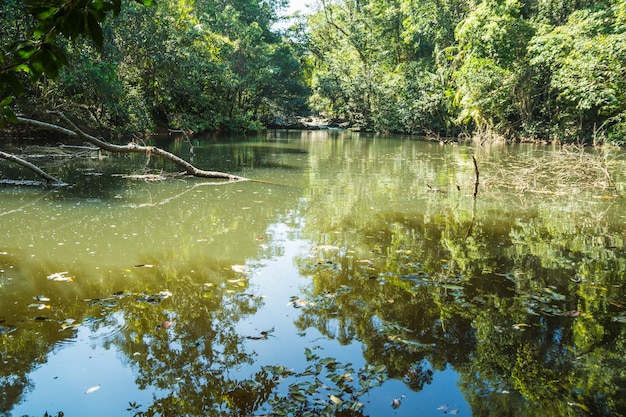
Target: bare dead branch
50 180
76 132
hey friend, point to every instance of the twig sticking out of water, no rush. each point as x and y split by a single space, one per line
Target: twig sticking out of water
477 182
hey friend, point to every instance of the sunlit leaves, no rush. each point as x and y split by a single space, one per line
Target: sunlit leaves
40 54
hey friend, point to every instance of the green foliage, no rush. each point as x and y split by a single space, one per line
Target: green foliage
37 53
204 65
539 69
584 59
533 379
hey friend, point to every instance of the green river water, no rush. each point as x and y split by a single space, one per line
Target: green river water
360 278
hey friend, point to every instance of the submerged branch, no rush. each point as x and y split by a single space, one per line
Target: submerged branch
50 180
76 132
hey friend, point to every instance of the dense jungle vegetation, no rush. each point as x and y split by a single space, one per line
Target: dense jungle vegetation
514 69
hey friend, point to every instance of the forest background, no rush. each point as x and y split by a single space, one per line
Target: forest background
550 70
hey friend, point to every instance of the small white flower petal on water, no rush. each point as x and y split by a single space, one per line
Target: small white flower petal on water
92 389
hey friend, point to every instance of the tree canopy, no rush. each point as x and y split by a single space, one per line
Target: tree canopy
538 70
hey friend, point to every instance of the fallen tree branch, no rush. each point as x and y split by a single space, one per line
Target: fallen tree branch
50 180
76 132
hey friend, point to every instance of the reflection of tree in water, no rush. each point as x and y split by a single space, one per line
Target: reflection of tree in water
528 335
190 359
180 337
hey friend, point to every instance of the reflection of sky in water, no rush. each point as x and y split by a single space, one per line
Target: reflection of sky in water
278 280
80 363
341 192
74 367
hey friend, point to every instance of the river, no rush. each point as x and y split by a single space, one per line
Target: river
363 275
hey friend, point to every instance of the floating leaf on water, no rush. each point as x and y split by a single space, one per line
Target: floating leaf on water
310 355
297 303
166 324
144 266
267 332
298 396
380 369
443 407
92 389
519 326
238 268
41 298
356 406
554 295
454 411
60 277
347 377
39 306
328 361
68 324
335 399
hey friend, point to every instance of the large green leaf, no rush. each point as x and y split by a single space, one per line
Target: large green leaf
95 31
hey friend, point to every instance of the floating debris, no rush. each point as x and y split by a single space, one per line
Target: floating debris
397 402
60 277
153 298
263 335
69 324
92 389
39 306
335 399
165 325
297 302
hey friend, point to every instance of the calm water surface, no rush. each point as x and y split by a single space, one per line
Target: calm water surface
361 278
